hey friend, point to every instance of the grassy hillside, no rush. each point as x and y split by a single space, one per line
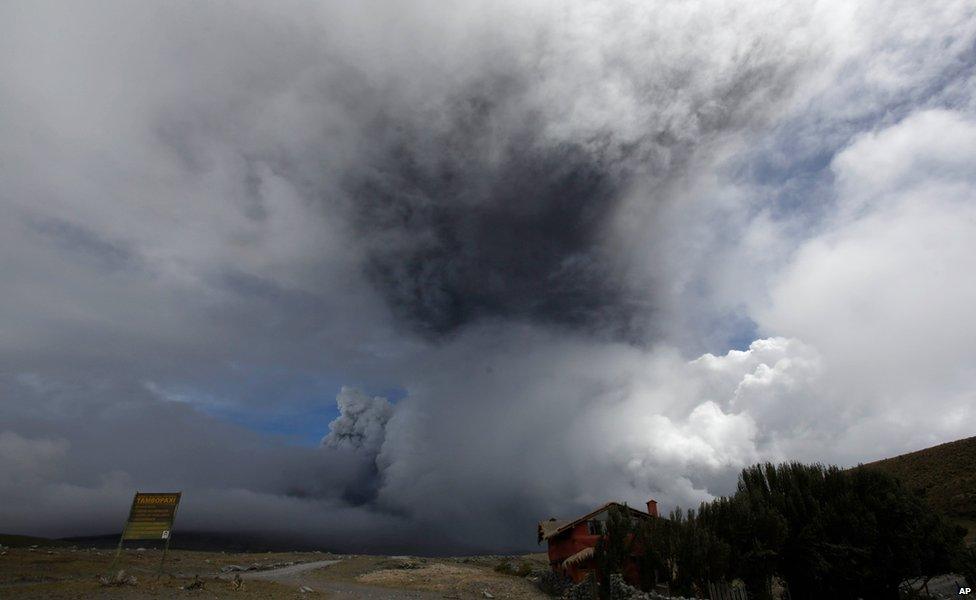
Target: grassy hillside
945 475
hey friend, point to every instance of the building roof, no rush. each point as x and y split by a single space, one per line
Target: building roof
549 528
584 554
554 527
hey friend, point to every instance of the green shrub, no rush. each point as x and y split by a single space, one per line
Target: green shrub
965 564
505 567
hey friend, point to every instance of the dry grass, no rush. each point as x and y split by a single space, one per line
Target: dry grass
453 580
437 577
165 588
19 565
59 572
66 572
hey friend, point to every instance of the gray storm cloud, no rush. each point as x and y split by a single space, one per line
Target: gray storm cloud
547 222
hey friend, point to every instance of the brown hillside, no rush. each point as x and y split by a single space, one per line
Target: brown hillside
945 475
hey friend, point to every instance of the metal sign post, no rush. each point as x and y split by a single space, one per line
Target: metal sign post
118 550
150 518
167 535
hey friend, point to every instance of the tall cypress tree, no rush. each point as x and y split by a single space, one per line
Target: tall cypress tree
824 531
613 549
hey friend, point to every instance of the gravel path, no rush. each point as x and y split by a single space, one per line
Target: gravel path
340 590
285 573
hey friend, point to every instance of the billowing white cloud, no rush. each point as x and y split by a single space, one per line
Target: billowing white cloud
885 289
361 424
548 424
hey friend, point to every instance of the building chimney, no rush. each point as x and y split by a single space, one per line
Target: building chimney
652 507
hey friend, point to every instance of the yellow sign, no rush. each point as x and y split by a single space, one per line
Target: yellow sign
151 516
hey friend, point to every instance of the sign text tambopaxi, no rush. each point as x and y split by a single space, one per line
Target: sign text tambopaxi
151 516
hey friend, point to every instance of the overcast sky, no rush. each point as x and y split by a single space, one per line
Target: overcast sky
416 275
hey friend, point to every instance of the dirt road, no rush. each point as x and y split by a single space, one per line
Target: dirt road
296 576
284 574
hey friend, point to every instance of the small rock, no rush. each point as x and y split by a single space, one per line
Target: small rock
232 568
486 594
306 590
140 549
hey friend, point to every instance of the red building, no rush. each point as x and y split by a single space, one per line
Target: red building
572 544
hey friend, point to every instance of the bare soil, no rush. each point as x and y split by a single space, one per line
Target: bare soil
73 573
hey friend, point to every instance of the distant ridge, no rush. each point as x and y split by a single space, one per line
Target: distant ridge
24 541
185 540
206 541
945 475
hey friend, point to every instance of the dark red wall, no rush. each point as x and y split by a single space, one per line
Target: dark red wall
572 541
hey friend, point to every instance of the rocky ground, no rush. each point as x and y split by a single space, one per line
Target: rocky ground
66 572
73 572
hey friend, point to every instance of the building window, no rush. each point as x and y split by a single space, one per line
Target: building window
594 527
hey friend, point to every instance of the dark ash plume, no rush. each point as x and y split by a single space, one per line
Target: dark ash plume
475 214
